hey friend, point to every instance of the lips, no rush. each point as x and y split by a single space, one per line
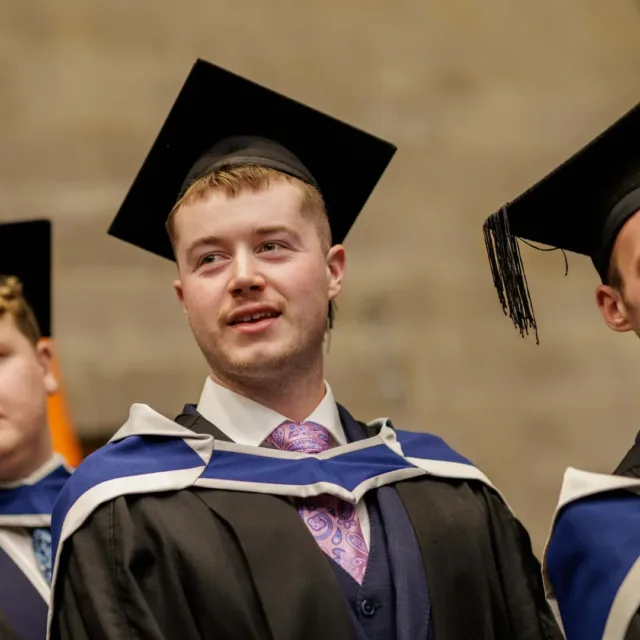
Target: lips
253 315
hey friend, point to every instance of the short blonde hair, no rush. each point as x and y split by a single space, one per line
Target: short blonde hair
233 180
13 303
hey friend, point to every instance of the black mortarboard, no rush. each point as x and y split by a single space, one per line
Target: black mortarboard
219 119
25 252
579 207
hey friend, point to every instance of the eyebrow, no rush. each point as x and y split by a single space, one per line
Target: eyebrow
259 231
277 228
206 240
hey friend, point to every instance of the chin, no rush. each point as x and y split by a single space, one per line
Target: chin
260 359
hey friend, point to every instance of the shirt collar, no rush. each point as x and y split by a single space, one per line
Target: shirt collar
247 422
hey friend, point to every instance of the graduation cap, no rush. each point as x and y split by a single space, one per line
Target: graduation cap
220 119
25 252
580 207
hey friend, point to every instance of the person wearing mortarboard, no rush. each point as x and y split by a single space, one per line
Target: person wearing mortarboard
267 510
589 205
31 474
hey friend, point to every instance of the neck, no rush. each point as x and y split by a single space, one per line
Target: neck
294 396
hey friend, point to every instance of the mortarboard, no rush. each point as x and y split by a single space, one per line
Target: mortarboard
25 252
580 207
221 119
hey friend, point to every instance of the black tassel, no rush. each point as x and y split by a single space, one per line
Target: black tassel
508 274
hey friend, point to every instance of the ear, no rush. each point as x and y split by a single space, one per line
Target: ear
45 355
177 285
613 308
336 265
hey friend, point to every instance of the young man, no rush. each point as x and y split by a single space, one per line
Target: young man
268 511
590 206
31 476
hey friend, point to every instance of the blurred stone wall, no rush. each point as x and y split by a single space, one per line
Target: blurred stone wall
482 99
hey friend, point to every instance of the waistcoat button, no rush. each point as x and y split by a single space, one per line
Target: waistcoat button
368 608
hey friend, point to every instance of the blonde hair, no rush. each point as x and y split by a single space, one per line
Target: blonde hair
233 180
13 303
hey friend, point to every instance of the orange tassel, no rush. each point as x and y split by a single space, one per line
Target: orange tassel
64 438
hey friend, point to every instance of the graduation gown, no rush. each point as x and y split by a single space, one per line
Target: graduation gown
24 592
169 532
630 465
592 558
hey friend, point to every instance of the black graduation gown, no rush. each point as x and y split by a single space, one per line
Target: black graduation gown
24 592
6 632
630 466
197 564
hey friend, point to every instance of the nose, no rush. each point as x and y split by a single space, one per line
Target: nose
246 277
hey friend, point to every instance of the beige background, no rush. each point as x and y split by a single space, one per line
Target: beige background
482 99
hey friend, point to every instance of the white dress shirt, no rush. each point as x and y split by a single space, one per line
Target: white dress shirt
247 422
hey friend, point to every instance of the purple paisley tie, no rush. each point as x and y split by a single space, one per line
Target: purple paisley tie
332 521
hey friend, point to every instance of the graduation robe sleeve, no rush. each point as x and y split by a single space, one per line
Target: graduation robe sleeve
486 580
519 572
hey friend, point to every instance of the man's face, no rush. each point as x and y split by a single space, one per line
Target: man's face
25 381
620 307
255 281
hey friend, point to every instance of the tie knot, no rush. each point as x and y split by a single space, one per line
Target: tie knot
303 437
